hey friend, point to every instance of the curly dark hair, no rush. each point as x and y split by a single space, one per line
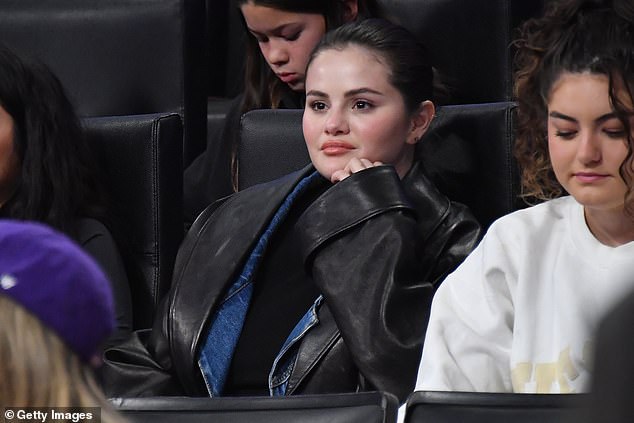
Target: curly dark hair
56 181
574 36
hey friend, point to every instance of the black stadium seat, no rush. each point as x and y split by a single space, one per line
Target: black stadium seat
119 57
137 154
467 153
469 42
271 145
478 407
367 407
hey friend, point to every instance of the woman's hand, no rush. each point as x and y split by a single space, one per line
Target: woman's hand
354 165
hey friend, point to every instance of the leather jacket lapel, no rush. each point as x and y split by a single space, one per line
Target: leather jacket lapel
331 213
210 258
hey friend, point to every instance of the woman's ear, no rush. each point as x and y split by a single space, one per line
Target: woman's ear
421 120
350 10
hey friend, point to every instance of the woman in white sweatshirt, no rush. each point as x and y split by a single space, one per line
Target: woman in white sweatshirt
520 313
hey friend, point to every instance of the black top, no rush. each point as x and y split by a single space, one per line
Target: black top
283 292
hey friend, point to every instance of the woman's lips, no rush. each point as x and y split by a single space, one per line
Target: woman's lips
287 77
336 148
589 177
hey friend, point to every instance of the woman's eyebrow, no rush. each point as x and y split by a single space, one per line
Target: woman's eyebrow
316 93
349 93
558 115
276 30
600 119
363 90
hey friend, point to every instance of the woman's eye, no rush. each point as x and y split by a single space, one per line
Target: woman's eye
361 105
566 135
318 105
615 133
293 36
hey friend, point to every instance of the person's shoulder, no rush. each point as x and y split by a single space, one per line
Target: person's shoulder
538 220
88 228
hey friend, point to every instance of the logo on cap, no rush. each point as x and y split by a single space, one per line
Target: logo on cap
7 281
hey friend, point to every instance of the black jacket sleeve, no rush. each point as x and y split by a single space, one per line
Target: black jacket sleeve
142 365
378 274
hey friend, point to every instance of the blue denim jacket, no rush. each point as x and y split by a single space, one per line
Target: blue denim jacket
217 351
284 361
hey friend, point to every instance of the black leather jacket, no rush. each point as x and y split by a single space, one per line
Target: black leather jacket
376 247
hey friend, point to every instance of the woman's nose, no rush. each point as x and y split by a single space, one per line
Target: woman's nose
277 54
589 148
336 123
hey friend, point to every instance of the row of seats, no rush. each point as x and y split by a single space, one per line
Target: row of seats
467 152
134 68
366 407
122 57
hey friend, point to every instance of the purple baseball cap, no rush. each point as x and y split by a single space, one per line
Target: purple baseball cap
53 278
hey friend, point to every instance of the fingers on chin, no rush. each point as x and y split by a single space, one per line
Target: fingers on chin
339 176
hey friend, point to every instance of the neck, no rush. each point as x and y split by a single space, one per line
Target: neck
610 227
405 162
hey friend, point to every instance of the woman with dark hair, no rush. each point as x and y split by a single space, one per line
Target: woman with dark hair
282 33
519 315
45 169
315 282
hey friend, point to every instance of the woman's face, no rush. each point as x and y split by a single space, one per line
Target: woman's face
9 163
286 39
353 110
587 143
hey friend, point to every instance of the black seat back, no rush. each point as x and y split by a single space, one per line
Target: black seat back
140 159
470 42
467 153
119 57
471 407
271 145
368 407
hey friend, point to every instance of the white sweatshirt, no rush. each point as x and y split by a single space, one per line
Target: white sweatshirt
520 313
